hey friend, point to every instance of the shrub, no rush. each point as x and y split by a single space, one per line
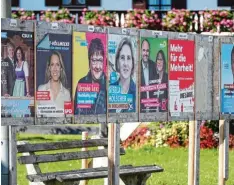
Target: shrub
231 141
62 15
214 19
138 138
142 19
178 20
207 139
23 15
99 18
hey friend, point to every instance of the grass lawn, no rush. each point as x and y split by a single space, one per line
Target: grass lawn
174 162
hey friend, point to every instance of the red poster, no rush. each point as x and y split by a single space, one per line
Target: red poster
181 76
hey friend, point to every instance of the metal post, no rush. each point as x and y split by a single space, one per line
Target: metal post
5 155
6 9
197 153
5 13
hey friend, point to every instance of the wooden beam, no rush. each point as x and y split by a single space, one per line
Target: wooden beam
113 153
64 156
61 145
221 153
84 161
191 153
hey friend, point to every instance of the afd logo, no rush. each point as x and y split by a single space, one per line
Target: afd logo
4 35
26 36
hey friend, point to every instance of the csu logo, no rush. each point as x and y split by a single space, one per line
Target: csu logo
24 35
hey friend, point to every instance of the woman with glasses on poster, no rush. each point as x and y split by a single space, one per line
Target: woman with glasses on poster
56 81
124 63
21 87
162 78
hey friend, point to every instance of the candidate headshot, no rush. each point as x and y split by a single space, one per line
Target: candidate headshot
55 82
161 67
9 70
148 73
95 75
125 63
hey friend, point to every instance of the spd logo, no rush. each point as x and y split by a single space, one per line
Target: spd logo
68 108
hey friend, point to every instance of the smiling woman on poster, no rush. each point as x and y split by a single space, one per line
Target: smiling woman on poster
56 80
124 62
162 78
21 87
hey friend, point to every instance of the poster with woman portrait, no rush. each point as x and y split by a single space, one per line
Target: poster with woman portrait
17 77
53 76
154 75
89 75
123 75
227 78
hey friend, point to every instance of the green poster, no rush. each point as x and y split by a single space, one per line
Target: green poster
154 75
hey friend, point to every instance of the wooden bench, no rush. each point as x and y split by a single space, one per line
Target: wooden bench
129 174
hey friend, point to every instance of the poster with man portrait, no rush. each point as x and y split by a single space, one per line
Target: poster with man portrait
53 76
17 77
227 78
122 71
181 76
89 75
154 75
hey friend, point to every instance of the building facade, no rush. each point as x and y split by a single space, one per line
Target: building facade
122 4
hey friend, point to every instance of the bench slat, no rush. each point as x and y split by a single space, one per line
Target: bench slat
93 173
61 145
65 156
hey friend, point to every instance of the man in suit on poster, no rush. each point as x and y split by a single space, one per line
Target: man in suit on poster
148 73
9 70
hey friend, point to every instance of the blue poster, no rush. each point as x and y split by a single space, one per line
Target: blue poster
227 78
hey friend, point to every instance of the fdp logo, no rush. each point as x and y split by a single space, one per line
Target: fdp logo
68 108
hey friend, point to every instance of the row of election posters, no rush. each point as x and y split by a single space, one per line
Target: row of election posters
86 73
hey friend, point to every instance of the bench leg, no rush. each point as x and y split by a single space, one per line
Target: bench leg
135 179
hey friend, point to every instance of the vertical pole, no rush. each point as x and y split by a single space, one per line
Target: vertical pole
221 152
197 153
226 149
13 156
5 8
84 161
191 153
113 153
5 13
5 155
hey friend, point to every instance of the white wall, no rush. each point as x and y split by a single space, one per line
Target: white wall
114 5
203 4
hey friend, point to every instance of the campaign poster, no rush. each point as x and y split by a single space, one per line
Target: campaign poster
122 90
17 74
227 78
154 75
89 73
53 76
181 76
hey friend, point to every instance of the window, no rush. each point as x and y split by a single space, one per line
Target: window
73 3
159 4
15 3
226 3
